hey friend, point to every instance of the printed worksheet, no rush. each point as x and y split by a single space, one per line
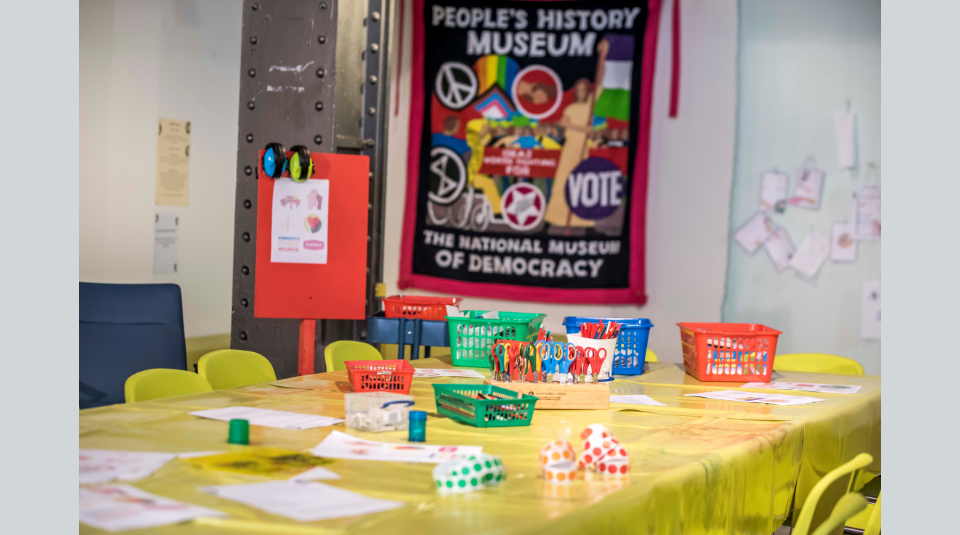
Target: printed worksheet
806 387
779 248
812 253
339 445
753 397
843 245
100 466
268 418
636 399
300 221
437 372
302 501
121 507
807 190
773 192
754 232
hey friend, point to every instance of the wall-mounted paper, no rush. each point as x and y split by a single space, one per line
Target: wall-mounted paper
807 189
773 192
300 221
845 129
173 162
866 199
870 311
779 248
165 248
843 246
812 253
754 232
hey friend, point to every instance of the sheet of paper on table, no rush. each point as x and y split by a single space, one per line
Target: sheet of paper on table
773 192
339 445
754 232
302 501
438 372
121 507
636 399
806 387
779 248
268 418
843 245
753 397
810 256
315 473
100 466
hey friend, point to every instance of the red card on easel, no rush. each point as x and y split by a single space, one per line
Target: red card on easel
336 289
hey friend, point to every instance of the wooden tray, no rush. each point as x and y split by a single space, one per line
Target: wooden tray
567 396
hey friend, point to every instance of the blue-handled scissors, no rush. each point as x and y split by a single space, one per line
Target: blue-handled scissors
563 359
549 366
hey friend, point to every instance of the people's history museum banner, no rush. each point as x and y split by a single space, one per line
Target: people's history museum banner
529 141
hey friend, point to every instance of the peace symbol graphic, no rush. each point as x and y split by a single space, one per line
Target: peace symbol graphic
448 176
523 206
456 85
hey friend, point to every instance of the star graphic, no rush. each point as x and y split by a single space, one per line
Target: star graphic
523 206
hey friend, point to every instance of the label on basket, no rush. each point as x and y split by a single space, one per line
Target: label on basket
392 417
385 373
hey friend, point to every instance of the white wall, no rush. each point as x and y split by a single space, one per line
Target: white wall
690 172
139 61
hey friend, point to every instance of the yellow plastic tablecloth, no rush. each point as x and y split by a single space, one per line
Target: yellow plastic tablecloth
697 465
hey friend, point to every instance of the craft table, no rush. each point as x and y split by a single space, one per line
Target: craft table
697 465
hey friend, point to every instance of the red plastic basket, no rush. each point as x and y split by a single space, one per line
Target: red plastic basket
728 352
380 375
418 307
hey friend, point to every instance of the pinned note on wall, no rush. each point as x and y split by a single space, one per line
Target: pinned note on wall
845 130
165 247
870 311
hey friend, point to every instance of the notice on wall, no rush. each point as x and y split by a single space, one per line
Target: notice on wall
845 128
866 209
843 245
870 311
779 248
807 190
754 232
773 192
173 162
300 221
165 247
812 253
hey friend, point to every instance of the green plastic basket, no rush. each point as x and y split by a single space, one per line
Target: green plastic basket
472 337
460 402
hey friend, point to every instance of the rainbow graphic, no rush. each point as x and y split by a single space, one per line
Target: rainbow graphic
499 70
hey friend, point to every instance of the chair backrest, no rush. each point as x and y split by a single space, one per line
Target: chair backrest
124 329
651 356
873 525
847 506
802 527
232 368
337 353
816 363
163 383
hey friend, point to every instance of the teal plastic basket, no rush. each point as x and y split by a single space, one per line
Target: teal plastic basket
459 402
472 337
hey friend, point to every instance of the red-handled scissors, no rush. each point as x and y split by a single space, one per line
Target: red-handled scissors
578 361
595 358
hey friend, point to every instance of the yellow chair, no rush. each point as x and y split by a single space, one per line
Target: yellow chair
651 356
337 353
232 368
816 363
848 506
163 383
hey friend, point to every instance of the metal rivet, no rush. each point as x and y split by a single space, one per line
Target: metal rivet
320 72
363 55
246 236
251 105
322 39
245 270
323 6
375 16
244 303
372 111
248 170
364 22
253 39
252 72
371 174
373 80
363 334
318 139
255 7
247 204
249 138
243 335
318 106
374 48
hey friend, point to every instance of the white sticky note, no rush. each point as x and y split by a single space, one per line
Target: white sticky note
754 232
636 399
300 221
165 247
844 128
811 254
779 248
843 245
773 192
870 311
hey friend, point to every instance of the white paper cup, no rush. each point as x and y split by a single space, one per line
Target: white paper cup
609 344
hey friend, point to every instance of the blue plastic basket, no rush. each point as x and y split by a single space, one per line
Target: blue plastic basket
631 343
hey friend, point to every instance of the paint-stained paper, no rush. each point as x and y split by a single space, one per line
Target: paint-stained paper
173 162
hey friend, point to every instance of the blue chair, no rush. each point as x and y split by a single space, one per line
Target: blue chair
125 329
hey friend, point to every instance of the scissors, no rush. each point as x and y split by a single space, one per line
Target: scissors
595 358
561 356
545 355
529 354
497 361
577 362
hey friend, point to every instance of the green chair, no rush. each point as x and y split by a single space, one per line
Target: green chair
163 383
848 506
339 352
816 363
651 356
232 368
